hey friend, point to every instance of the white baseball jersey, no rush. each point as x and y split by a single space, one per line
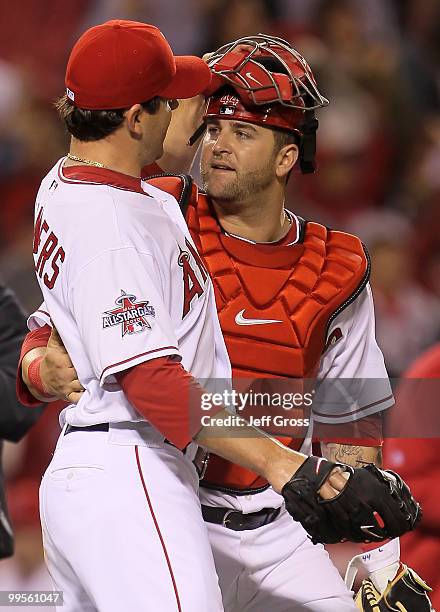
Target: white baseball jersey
123 284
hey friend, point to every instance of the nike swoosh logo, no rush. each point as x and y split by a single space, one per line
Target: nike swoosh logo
240 320
367 529
249 76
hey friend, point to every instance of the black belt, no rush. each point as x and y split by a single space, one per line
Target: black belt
238 521
199 464
97 427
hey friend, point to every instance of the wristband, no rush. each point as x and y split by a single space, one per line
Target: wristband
35 378
374 560
381 556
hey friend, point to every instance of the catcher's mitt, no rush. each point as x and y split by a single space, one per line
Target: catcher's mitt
406 592
373 506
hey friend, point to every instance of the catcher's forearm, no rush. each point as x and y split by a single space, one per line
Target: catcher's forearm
178 156
356 456
253 449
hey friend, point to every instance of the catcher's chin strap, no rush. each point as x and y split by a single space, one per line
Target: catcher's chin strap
307 146
197 134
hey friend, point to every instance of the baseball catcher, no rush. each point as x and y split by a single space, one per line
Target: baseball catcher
276 88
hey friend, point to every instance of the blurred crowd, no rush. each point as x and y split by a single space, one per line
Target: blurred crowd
377 61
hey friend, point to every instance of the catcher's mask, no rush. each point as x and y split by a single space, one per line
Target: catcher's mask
273 86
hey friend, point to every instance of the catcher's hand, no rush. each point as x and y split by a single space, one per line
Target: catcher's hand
374 504
407 592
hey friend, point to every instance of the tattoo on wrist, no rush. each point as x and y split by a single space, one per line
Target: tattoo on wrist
356 456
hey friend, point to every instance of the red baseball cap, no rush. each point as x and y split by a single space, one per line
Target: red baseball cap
120 63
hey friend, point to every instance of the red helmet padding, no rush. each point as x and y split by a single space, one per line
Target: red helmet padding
223 105
252 77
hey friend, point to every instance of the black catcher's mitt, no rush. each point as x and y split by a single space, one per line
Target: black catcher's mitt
373 506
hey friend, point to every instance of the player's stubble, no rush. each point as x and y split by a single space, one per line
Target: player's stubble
238 185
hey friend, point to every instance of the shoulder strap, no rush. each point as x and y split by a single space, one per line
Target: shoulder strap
301 228
181 186
361 286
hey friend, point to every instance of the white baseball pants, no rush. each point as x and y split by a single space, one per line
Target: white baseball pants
276 568
122 525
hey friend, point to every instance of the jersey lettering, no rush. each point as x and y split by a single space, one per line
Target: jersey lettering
192 287
50 281
48 253
199 262
38 230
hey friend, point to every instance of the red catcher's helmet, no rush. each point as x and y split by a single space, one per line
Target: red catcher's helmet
273 85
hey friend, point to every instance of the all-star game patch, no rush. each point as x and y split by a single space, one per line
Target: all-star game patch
130 314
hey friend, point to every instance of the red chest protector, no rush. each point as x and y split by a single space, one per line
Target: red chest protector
301 287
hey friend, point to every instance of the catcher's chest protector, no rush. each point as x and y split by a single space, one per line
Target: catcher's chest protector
301 286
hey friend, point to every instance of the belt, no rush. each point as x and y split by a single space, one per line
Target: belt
98 427
238 521
200 461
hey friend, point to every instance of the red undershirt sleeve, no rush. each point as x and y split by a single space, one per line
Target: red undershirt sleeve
34 339
168 396
363 432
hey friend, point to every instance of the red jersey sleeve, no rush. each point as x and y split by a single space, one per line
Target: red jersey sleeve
167 396
364 432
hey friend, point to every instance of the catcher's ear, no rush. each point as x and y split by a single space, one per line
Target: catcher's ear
286 159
